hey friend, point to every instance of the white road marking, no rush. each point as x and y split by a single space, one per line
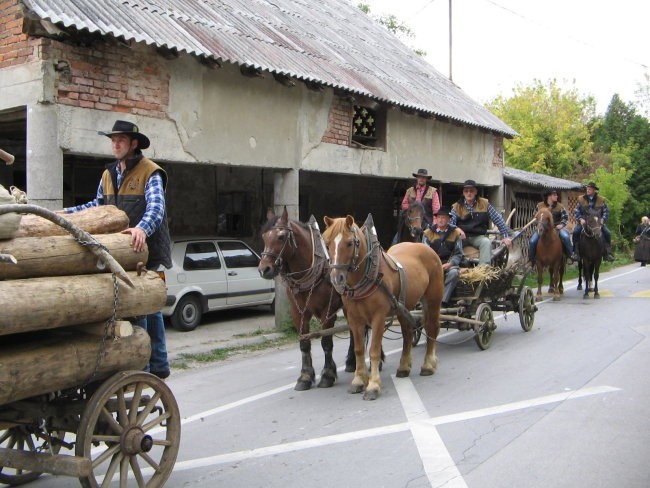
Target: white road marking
419 416
438 464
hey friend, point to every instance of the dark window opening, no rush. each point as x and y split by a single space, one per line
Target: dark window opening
369 126
233 214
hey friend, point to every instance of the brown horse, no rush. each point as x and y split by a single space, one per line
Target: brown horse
591 249
296 252
411 223
549 254
375 285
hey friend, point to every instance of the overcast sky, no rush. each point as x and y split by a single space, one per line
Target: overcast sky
600 47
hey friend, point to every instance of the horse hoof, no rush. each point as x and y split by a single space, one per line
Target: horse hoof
579 287
302 385
556 298
350 368
326 382
355 389
596 295
403 373
426 372
370 395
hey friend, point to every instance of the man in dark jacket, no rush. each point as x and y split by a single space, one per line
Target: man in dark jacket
592 202
136 185
448 244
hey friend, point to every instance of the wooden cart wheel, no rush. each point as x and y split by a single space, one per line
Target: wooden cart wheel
527 308
483 337
130 428
22 438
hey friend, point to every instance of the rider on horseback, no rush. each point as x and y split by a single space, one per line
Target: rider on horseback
421 192
560 219
448 244
591 200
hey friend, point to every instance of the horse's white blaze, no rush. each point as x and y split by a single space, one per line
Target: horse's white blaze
337 242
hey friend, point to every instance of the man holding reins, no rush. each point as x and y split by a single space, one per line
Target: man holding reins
560 219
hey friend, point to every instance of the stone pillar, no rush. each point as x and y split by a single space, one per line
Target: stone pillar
286 188
44 158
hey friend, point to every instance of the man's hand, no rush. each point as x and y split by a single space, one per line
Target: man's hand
138 238
507 241
559 226
446 266
583 221
462 233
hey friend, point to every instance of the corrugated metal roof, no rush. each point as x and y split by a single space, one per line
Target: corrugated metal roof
327 41
537 180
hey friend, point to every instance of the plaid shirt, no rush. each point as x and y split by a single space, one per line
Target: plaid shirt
154 195
591 202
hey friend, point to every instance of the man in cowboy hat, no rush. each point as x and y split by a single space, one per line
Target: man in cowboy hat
448 244
472 216
422 192
594 202
560 219
136 185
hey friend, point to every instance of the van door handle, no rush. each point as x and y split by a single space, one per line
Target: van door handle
232 273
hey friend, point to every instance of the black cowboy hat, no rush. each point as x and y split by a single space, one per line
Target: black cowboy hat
549 192
422 172
592 185
443 211
470 184
130 129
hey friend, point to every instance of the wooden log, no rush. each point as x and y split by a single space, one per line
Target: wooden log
63 255
65 359
122 328
39 462
105 219
52 302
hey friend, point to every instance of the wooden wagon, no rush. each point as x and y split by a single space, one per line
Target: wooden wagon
74 399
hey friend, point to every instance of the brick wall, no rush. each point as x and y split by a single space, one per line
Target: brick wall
339 122
104 75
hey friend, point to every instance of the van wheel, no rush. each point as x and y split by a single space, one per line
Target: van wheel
187 314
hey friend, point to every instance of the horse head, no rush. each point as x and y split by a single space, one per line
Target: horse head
414 217
544 221
279 244
343 239
593 225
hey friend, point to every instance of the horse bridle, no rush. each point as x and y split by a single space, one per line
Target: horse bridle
351 266
277 257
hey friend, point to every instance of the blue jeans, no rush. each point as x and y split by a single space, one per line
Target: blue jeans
451 280
484 246
155 327
564 237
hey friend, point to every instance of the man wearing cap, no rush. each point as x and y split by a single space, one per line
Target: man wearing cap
472 216
560 219
422 192
136 185
591 200
448 244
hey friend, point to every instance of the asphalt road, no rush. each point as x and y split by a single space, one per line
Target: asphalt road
564 405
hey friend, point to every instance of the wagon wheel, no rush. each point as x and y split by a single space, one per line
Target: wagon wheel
130 428
483 337
28 439
527 308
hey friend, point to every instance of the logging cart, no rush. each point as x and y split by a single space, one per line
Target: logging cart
74 399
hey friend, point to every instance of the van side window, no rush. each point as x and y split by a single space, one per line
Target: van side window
238 255
201 255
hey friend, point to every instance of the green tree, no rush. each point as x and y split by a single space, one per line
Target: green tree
555 135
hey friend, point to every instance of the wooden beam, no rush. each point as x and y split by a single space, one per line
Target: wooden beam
61 464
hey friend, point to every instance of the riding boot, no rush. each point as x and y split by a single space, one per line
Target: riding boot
608 255
575 256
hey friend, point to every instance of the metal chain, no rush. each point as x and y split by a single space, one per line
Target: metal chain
109 329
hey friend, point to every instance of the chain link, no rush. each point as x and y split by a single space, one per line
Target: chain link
109 329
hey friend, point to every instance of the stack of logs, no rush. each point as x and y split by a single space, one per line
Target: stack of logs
56 327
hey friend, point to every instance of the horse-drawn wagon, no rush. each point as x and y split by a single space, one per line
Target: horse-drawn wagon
71 373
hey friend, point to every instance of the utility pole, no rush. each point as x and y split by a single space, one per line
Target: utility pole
451 78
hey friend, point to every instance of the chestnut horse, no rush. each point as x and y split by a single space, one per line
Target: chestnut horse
375 285
296 252
591 249
411 223
549 254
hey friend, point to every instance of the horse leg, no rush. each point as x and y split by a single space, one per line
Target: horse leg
587 273
307 374
350 359
328 375
540 279
596 273
579 275
374 384
405 361
431 318
360 379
